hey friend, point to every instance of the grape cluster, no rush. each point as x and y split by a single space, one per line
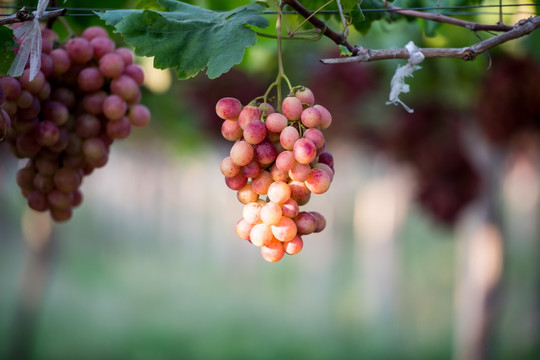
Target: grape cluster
430 140
280 155
65 119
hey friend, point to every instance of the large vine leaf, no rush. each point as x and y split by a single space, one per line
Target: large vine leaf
187 37
7 44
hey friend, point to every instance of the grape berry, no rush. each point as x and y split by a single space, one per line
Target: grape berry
64 121
281 156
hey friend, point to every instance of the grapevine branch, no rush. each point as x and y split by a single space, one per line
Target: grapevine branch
24 15
449 20
360 54
522 28
318 23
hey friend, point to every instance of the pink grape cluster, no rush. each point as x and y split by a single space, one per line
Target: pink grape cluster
277 161
65 119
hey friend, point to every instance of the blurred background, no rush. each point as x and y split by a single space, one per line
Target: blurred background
431 249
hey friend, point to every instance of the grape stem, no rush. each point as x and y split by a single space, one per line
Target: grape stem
24 15
281 72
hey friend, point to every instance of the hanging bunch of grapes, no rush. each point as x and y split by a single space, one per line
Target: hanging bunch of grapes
64 120
277 161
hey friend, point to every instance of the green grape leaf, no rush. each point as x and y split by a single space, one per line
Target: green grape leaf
7 44
343 51
363 14
148 4
187 37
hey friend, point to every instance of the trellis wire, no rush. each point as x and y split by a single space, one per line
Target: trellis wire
89 11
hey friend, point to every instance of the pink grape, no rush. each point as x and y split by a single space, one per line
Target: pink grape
271 213
61 61
265 152
37 201
87 126
285 161
326 117
236 182
326 158
119 129
102 46
47 65
318 181
56 112
290 208
273 251
229 168
299 172
326 168
278 175
248 114
126 55
255 132
60 215
43 183
316 136
58 199
311 117
300 192
252 212
243 229
276 122
93 32
27 145
228 108
90 79
25 177
266 109
111 65
94 149
11 86
139 115
288 137
93 102
261 235
231 130
305 223
285 229
79 50
125 87
304 151
262 182
114 107
292 108
246 194
65 96
25 100
294 246
279 192
47 133
136 73
251 169
321 221
242 153
33 86
305 96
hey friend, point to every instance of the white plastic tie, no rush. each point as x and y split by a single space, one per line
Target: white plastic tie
397 83
30 35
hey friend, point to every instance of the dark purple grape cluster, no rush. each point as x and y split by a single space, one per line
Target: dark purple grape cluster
65 119
509 101
430 141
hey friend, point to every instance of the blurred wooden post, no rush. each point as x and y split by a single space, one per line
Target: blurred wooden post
380 208
41 245
479 259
